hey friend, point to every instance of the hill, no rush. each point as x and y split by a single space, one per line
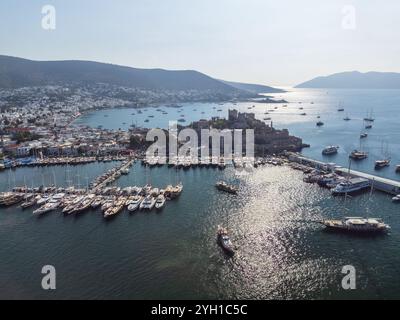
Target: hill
355 80
254 88
18 72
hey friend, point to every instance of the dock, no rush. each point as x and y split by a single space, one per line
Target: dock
389 186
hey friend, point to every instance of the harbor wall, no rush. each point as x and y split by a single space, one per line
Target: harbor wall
378 183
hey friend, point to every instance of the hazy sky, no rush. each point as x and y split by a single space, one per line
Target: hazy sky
271 42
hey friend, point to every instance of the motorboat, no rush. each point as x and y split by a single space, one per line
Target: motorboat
224 241
160 202
148 203
330 150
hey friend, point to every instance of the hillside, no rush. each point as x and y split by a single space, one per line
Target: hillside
18 72
355 80
254 88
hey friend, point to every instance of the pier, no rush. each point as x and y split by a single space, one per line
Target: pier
377 183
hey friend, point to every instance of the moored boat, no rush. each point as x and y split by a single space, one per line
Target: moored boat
135 203
350 186
160 202
358 155
148 203
382 163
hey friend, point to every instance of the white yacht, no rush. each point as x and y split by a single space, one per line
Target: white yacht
51 205
382 163
125 171
135 203
396 198
160 202
148 203
351 186
42 200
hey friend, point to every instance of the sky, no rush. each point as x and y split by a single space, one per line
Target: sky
280 43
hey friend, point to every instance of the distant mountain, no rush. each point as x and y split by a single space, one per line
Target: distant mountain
355 80
18 72
254 88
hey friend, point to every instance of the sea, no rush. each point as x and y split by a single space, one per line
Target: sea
282 250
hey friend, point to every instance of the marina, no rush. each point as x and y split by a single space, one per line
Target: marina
112 200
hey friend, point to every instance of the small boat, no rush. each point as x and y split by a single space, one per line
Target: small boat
382 163
303 114
357 225
97 202
148 203
346 118
125 171
358 155
396 198
84 205
50 206
368 126
363 135
115 208
42 200
369 117
340 109
71 206
135 203
160 202
223 186
106 204
320 123
224 241
29 201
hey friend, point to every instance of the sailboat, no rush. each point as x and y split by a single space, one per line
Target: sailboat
358 154
381 163
369 117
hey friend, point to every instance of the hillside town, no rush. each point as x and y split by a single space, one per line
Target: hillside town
44 128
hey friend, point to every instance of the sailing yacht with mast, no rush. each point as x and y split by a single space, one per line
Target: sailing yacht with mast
369 117
358 154
381 163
